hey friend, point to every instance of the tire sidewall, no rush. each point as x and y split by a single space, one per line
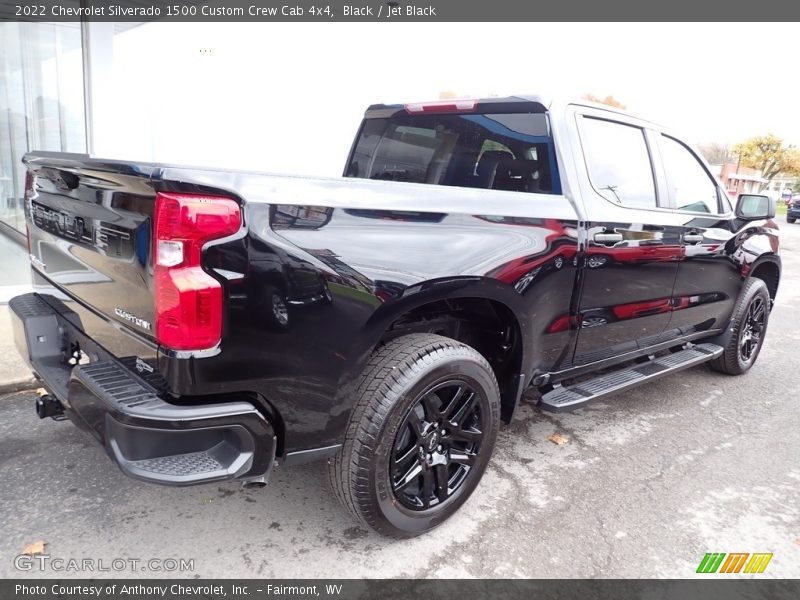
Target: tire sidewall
401 520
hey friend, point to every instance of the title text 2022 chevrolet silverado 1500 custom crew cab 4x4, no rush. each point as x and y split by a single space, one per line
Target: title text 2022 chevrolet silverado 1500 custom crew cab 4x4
205 325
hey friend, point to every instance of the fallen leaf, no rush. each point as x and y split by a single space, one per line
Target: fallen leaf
558 439
34 548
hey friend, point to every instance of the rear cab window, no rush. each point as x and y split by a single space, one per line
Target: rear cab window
510 151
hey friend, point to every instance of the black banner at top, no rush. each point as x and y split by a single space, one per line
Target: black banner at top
388 11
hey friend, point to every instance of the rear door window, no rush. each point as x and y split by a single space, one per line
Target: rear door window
618 162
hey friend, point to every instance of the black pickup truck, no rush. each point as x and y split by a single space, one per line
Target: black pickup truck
205 325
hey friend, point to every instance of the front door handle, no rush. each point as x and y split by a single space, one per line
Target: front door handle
607 238
692 238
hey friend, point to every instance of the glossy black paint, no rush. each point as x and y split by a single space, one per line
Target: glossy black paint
359 261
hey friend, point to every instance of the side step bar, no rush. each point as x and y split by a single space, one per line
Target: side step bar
567 398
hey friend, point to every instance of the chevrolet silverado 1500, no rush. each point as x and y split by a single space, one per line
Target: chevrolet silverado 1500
205 325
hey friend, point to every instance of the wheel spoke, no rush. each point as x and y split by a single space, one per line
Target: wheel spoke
441 482
465 409
415 423
427 487
747 348
409 477
463 458
758 312
453 404
411 454
467 435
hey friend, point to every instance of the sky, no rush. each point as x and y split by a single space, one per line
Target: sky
288 97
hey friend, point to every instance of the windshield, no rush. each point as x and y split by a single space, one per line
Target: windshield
491 151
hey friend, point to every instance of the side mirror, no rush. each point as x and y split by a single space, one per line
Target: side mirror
751 207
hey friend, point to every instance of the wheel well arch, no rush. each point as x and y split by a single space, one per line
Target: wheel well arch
769 272
482 313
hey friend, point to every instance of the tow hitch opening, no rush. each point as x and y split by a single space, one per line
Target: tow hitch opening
49 406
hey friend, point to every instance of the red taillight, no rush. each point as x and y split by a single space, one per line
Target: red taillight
443 106
188 304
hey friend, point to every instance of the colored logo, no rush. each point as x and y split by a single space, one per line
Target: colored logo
736 562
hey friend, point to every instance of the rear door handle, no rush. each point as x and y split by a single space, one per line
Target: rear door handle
692 238
607 238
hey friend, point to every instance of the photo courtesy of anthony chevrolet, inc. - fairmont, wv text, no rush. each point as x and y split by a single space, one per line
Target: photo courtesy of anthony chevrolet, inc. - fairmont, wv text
399 299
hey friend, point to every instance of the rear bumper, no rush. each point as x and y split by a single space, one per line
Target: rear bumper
149 438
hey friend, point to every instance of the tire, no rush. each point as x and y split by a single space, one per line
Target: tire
790 219
404 385
753 306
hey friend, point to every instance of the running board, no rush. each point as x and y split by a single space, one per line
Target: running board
567 398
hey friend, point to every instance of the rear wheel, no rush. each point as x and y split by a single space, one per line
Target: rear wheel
420 435
790 219
749 326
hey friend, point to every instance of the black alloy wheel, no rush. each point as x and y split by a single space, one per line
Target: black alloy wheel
753 326
437 445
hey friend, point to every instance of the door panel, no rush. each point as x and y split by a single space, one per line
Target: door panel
627 287
632 247
709 279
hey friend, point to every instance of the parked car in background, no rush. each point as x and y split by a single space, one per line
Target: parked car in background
793 209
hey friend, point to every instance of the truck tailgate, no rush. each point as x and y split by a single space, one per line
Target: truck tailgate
90 236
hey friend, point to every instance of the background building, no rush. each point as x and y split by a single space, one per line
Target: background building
740 180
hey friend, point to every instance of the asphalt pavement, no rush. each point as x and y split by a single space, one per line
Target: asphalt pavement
647 483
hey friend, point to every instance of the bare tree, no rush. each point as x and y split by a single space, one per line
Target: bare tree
716 153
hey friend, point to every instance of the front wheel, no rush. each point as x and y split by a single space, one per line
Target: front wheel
790 219
748 328
420 435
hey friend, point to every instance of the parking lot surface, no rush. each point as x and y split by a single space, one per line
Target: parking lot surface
648 482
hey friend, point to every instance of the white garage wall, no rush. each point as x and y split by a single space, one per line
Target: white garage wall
288 97
280 98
